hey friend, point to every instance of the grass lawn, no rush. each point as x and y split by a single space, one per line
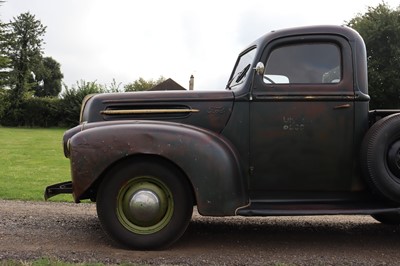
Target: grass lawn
30 160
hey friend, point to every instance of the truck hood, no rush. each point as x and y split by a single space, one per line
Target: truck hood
206 109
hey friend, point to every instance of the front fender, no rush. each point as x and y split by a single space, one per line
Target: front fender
208 160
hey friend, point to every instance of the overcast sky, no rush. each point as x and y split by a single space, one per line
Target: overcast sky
96 40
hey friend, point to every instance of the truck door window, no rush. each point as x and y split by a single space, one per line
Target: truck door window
304 63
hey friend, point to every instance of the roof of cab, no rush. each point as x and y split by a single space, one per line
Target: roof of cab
344 31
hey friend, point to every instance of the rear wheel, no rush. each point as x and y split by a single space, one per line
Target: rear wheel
380 157
145 205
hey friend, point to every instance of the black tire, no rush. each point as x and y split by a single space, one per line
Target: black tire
145 204
380 157
392 218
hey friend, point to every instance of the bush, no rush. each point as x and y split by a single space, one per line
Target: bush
49 111
41 112
9 116
71 100
33 112
4 103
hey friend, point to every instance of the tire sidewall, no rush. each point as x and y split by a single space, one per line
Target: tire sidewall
374 154
107 201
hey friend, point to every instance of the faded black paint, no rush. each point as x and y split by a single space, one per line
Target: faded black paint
287 148
214 163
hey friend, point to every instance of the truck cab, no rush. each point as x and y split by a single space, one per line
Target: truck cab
306 95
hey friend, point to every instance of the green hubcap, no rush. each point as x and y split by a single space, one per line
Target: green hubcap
145 205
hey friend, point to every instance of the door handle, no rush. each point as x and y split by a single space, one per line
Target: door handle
341 106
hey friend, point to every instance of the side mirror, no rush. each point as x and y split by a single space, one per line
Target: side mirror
260 68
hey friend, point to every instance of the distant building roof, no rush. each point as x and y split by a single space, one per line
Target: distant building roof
168 85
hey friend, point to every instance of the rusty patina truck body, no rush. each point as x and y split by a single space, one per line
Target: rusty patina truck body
292 134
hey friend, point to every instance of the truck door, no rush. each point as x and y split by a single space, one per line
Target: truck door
302 117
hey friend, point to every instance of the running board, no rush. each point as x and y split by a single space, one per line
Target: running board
303 209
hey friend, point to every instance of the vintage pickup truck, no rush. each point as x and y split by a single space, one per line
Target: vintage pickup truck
292 134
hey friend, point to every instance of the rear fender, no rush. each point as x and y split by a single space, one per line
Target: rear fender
207 159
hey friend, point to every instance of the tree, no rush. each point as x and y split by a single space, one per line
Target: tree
5 62
4 68
380 28
142 85
47 78
25 52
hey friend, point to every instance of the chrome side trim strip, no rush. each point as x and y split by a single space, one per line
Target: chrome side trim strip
148 111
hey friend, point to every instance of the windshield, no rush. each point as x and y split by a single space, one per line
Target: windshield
242 68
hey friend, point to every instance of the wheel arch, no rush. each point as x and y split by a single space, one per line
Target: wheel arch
131 160
209 161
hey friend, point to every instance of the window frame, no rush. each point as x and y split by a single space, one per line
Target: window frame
232 80
344 87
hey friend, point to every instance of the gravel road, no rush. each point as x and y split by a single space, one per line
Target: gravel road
71 232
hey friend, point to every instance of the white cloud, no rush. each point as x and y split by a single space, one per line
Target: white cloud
101 40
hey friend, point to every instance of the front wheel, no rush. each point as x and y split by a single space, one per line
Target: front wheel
145 205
